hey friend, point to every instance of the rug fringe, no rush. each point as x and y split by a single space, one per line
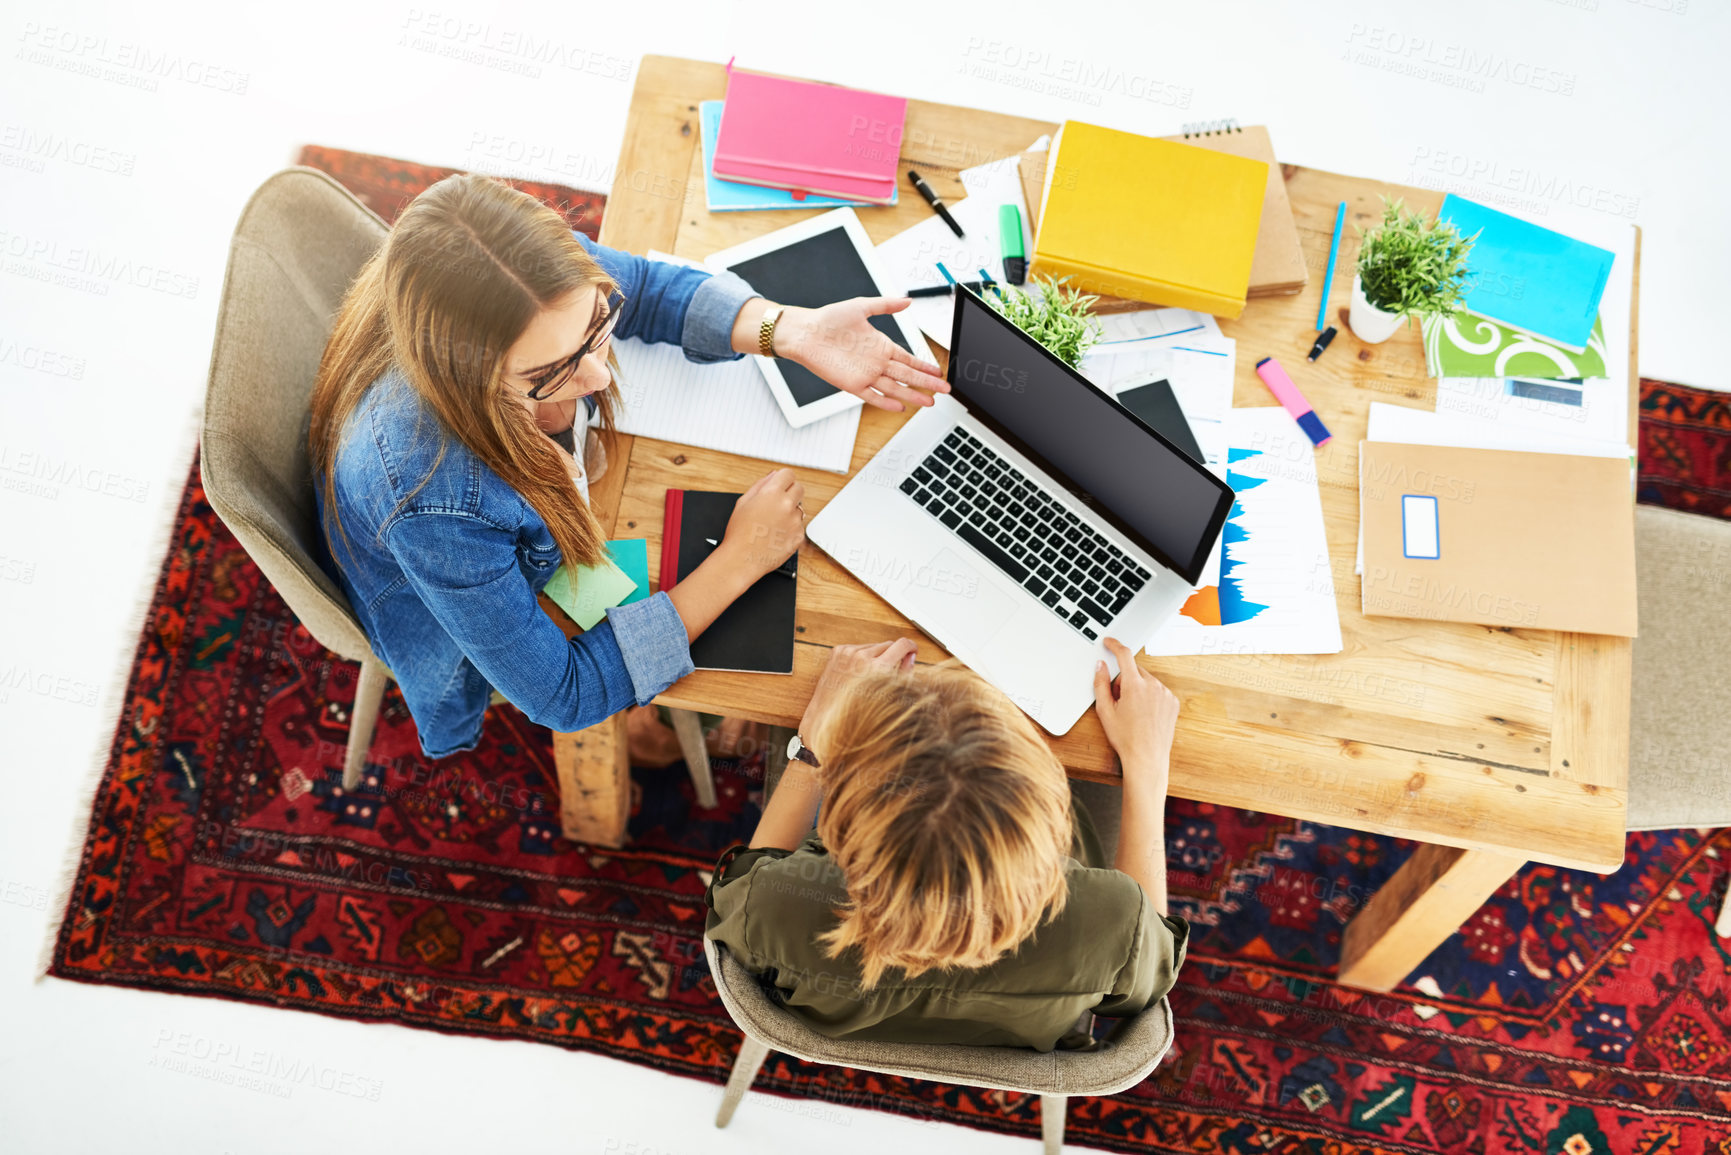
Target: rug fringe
114 694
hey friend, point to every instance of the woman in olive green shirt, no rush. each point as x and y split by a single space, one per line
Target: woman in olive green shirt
953 892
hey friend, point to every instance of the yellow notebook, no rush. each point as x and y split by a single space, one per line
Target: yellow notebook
1149 219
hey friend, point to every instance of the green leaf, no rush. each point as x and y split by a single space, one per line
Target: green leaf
1412 266
1059 318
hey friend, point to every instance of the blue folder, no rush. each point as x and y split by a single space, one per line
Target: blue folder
733 196
1530 277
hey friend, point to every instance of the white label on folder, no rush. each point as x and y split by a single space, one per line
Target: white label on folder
1418 526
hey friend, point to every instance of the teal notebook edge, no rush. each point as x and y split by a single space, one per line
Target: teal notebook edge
726 196
1529 277
631 554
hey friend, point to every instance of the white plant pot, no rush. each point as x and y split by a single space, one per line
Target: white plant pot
1369 323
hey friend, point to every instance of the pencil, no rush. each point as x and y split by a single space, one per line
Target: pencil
1328 277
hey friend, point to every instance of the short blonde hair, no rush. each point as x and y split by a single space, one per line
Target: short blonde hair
948 815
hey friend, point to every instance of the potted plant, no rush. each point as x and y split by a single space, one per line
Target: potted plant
1057 317
1408 267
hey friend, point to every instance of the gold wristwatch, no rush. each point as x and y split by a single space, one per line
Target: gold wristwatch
766 331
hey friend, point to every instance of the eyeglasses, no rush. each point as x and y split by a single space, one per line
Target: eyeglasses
551 379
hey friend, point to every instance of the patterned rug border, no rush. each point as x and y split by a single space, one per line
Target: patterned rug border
117 692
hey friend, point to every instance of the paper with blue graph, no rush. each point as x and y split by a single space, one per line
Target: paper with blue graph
1274 593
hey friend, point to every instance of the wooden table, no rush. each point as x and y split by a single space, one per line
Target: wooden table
1492 746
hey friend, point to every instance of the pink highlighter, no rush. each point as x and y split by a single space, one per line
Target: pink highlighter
1288 395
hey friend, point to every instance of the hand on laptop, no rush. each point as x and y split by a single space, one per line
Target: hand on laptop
767 526
1138 714
838 343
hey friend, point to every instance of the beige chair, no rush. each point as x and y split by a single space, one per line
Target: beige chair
1132 1049
300 241
1125 1058
1679 729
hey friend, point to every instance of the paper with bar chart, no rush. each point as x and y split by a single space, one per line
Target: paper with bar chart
1275 590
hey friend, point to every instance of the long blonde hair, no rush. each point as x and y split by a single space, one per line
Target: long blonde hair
949 817
467 266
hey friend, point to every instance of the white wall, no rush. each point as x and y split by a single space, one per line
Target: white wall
1607 103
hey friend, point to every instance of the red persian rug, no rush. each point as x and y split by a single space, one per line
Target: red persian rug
1574 1014
1685 450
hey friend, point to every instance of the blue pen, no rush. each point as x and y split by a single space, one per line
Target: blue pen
1328 277
944 271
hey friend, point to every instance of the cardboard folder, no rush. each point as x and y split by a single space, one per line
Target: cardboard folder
1499 538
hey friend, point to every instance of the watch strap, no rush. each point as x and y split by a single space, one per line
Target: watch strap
766 331
798 751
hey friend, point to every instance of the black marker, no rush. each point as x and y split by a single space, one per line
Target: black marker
1322 340
932 199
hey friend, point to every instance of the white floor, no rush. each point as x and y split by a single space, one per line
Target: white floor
128 145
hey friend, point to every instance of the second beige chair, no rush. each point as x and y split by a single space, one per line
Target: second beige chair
1127 1056
1679 733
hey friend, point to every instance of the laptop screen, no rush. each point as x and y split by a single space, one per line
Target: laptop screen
1141 483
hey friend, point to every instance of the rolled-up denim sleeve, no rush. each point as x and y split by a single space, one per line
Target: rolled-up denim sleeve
708 334
672 304
652 643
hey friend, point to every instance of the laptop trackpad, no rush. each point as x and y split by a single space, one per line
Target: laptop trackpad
963 600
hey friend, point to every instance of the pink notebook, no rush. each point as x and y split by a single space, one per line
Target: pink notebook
797 134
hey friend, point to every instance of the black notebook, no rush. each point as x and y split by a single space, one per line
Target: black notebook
755 633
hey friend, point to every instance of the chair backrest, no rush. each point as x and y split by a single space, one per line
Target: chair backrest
1128 1057
1678 728
300 242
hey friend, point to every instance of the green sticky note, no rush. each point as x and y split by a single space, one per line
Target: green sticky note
1467 345
632 556
587 593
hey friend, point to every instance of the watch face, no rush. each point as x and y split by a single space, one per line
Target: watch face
793 746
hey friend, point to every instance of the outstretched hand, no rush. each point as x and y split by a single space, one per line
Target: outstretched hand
838 343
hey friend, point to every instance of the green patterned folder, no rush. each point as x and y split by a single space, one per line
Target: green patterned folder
1467 345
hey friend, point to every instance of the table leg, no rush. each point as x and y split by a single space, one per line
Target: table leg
1428 898
688 727
594 768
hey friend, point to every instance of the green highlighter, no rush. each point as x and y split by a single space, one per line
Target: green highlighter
1010 240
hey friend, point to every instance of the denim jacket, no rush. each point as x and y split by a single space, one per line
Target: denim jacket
444 584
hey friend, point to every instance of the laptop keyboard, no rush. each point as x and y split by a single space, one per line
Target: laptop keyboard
1038 543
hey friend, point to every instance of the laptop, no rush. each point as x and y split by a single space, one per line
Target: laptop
1026 516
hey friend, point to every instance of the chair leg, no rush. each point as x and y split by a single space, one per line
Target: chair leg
1052 1111
751 1056
1723 927
689 729
369 692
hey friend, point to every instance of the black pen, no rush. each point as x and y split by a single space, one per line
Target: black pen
944 290
932 199
788 568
